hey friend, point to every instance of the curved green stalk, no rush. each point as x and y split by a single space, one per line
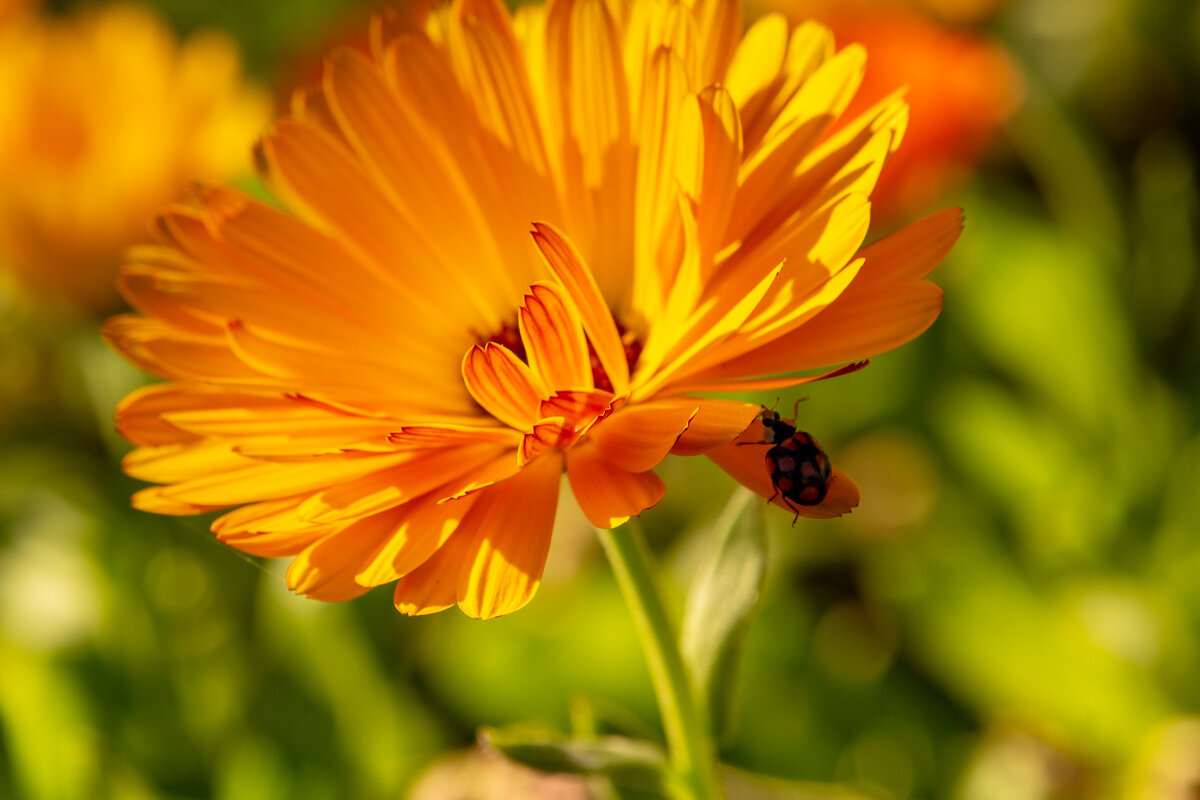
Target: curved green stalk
688 738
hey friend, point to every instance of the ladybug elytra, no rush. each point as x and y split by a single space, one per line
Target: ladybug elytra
798 466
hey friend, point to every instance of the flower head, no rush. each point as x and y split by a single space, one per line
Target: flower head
103 120
519 248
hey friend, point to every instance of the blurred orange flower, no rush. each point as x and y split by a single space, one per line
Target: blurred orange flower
11 9
103 119
392 381
961 87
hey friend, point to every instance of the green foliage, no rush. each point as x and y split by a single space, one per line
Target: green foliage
724 595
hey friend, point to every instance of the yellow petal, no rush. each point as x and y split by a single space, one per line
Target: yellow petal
663 102
807 47
715 321
418 529
433 586
718 131
720 27
513 520
792 135
757 60
176 462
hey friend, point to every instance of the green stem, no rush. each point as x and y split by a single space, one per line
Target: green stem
688 739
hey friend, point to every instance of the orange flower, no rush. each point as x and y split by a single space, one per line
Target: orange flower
15 9
103 119
392 381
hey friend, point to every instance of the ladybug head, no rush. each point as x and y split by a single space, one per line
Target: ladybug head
775 430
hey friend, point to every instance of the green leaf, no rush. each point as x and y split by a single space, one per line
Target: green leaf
724 596
635 768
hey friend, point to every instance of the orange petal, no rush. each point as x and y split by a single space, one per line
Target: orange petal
256 481
325 570
503 384
567 267
450 435
499 87
513 520
716 423
499 469
841 497
156 501
270 529
425 181
139 417
424 471
608 495
687 386
553 338
547 435
861 323
579 405
638 437
158 348
276 544
912 252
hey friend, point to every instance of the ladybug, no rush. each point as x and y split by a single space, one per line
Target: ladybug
798 466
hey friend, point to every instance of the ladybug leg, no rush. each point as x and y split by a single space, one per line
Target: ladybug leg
791 507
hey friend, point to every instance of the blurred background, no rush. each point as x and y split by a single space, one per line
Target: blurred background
1013 613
